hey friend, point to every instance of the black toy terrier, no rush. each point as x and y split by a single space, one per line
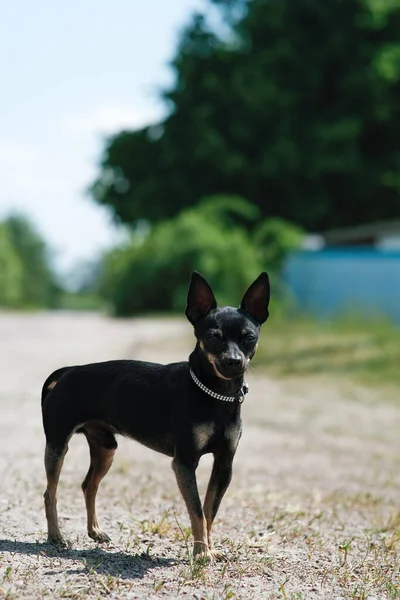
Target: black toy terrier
183 410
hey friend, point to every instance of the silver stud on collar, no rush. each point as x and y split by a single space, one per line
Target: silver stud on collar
240 396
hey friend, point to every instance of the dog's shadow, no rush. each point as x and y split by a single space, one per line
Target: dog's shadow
117 564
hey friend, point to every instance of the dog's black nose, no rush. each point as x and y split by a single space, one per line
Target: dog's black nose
233 361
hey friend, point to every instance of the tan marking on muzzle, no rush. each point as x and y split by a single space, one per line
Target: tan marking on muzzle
211 358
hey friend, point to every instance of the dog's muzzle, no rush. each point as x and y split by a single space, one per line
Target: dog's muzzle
231 366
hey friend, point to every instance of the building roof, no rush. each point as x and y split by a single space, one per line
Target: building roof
368 234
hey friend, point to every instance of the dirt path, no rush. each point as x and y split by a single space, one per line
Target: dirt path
312 511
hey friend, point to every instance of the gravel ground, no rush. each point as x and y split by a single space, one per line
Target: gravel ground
312 512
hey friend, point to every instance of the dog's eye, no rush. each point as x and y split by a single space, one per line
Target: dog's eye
214 334
248 336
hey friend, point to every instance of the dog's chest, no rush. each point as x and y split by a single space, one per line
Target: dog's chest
209 434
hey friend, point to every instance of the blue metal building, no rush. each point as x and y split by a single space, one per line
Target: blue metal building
338 279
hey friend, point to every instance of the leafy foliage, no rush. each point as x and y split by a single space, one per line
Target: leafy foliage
152 273
26 276
10 271
294 106
275 239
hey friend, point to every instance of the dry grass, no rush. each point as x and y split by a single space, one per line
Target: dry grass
312 512
302 554
367 351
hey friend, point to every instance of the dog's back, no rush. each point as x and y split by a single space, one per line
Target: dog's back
52 381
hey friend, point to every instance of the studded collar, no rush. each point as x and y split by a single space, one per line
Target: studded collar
239 396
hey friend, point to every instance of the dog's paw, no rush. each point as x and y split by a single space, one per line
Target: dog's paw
218 556
201 552
58 542
209 556
99 536
203 556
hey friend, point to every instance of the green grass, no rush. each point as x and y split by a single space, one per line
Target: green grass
81 302
368 351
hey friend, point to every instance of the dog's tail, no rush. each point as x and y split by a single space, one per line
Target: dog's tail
52 381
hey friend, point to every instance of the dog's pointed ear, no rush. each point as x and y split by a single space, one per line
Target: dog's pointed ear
256 299
200 298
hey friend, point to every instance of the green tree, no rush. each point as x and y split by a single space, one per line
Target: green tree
39 287
11 271
292 104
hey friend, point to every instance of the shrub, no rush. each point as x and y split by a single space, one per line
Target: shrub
153 274
11 271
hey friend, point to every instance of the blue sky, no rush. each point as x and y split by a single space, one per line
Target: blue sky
71 73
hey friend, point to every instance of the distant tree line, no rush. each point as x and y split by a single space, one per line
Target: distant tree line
27 279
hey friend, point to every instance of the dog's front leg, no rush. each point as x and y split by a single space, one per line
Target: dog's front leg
219 481
185 471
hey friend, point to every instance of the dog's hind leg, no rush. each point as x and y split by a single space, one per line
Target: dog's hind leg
102 445
53 461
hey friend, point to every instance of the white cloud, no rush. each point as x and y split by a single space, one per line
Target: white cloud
109 119
46 179
14 154
36 181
